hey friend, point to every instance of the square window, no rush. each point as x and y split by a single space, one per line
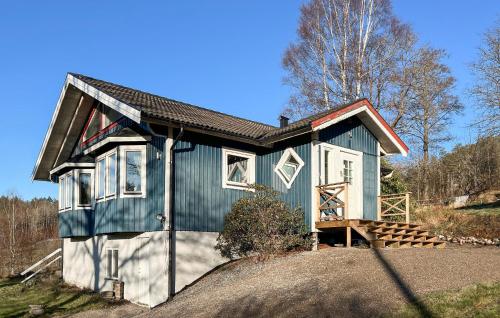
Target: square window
289 166
238 169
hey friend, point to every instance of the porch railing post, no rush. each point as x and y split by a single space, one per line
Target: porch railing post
318 204
407 207
346 201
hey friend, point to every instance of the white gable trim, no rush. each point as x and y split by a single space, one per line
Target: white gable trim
363 109
109 101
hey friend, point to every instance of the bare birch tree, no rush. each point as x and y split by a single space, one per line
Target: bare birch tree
487 87
346 50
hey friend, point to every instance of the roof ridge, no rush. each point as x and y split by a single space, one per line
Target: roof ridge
173 100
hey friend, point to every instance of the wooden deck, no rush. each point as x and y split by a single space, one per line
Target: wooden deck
381 234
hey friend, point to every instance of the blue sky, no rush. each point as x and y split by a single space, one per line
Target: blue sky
224 55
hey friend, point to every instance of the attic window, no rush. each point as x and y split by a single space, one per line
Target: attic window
101 119
289 166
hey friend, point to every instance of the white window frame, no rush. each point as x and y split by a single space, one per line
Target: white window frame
123 171
278 169
77 189
226 184
106 157
63 191
110 270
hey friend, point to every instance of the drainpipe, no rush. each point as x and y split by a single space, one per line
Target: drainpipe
171 221
171 233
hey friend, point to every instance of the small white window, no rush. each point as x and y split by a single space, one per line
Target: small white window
112 263
133 171
238 169
106 176
65 191
84 188
289 166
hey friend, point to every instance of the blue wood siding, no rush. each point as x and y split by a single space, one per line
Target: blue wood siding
362 140
299 194
200 201
124 214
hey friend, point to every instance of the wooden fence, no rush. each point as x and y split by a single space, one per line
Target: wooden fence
390 205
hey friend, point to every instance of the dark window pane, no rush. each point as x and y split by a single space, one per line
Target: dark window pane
110 263
115 263
84 189
110 116
133 171
94 125
237 169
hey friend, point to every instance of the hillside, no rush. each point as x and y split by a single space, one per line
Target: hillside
332 282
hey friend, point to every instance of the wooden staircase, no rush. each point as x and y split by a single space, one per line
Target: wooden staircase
382 234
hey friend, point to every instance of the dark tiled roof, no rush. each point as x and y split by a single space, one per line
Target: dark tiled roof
179 112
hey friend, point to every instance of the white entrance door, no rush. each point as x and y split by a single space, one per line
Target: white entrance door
344 165
142 271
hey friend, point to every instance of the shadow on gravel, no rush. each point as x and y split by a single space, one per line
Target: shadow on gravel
403 286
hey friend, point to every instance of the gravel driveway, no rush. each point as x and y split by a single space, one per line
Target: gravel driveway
334 282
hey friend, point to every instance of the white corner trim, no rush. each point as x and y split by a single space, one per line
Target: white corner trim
123 171
281 162
169 141
315 174
111 139
104 98
250 169
72 165
378 168
363 109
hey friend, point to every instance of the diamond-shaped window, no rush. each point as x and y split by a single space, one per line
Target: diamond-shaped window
289 167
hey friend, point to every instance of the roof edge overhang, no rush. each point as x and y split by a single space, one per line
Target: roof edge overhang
371 118
64 113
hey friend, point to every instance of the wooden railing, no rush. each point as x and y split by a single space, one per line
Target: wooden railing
327 199
391 205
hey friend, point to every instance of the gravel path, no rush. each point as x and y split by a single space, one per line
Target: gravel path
333 282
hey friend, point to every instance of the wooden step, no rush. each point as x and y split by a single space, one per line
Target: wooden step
386 230
407 244
389 224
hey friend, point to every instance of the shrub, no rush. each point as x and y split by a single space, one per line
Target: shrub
262 224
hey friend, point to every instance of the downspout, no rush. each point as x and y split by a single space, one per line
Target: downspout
171 221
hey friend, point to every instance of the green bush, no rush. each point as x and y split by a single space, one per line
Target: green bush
261 224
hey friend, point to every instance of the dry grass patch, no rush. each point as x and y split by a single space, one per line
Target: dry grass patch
479 221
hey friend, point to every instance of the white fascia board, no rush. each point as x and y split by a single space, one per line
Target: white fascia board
363 109
109 101
108 140
49 130
72 165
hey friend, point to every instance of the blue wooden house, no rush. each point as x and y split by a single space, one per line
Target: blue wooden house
145 181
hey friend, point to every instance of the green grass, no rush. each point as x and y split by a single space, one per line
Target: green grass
56 298
476 301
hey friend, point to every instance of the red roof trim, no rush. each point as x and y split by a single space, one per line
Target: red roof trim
356 105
